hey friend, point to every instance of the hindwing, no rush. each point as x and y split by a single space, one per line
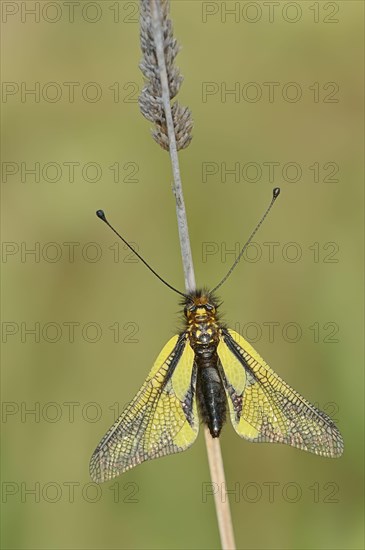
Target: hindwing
263 408
160 420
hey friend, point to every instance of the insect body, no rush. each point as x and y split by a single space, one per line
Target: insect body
203 336
211 369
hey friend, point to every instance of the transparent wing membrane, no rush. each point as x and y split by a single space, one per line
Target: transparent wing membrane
162 418
263 408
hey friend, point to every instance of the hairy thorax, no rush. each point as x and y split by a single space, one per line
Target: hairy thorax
203 331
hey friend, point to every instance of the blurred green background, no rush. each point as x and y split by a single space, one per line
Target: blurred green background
100 319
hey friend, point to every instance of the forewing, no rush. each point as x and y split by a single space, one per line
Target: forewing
263 408
160 420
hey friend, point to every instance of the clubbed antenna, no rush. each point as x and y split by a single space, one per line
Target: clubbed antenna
275 194
101 214
151 99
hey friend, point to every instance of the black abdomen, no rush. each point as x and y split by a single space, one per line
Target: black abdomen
210 394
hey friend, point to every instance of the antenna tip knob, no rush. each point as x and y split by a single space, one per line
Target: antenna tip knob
100 214
276 193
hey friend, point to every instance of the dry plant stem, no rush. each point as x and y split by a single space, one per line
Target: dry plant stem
217 475
213 445
177 187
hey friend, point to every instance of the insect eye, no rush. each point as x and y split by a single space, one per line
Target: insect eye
189 308
209 307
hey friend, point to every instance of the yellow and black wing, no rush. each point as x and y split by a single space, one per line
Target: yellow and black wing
263 408
160 420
